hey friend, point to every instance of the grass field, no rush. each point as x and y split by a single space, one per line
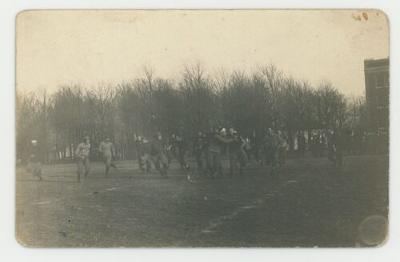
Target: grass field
309 204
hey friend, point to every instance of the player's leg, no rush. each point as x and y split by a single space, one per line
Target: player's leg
203 161
242 160
31 168
148 162
170 155
142 162
160 164
209 166
107 163
213 164
112 164
156 161
198 162
185 163
164 163
37 170
283 156
79 172
274 162
140 159
87 166
218 164
231 162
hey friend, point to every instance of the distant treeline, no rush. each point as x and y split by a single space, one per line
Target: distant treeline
248 102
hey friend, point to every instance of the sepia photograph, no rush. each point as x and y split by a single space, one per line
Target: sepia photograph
202 128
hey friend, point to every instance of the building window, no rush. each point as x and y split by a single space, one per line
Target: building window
381 97
380 81
386 80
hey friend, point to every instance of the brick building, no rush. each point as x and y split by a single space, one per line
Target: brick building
377 94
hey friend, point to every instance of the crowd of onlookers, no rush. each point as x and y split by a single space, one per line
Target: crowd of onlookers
351 142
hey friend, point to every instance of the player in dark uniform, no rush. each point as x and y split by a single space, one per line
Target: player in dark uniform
178 148
199 149
336 143
236 152
217 141
301 143
271 149
158 154
214 165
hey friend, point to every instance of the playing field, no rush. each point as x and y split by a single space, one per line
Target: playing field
309 204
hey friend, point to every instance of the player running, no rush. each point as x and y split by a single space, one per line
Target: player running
143 154
82 153
107 150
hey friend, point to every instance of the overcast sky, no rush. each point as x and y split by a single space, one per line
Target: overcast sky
100 47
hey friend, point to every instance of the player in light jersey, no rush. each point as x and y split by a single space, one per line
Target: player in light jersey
82 153
34 160
107 150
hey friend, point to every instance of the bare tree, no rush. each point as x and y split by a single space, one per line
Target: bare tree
331 107
199 99
248 102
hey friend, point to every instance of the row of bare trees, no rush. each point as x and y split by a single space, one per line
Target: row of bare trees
197 101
